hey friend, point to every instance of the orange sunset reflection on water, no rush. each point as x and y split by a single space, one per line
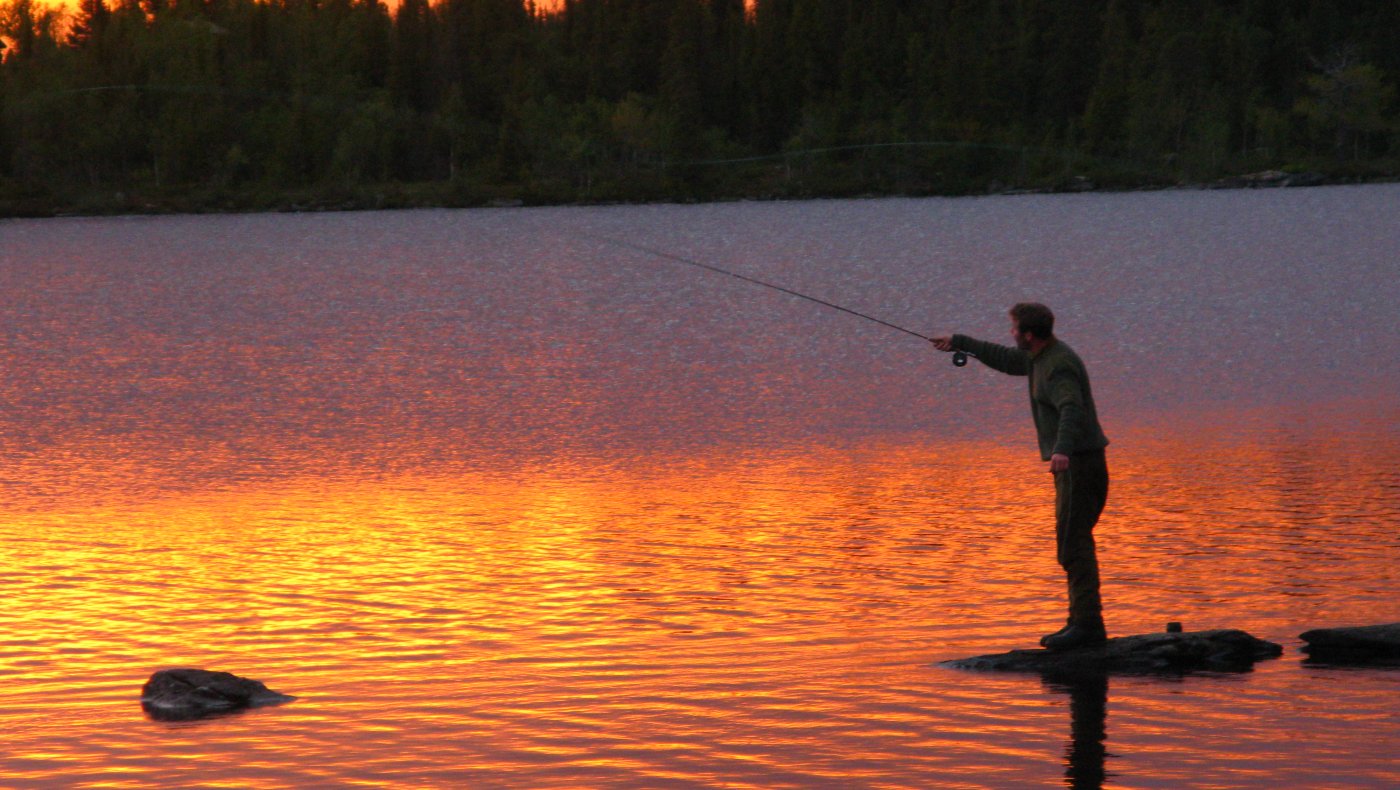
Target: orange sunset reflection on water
640 622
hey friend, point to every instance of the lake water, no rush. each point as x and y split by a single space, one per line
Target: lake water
508 504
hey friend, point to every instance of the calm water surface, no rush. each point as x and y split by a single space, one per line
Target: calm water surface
509 505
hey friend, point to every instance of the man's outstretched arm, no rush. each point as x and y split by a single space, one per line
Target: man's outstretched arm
1011 361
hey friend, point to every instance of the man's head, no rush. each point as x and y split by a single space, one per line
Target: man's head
1032 324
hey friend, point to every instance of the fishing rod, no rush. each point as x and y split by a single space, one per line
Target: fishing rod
959 357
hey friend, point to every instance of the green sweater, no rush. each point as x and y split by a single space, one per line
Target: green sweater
1062 404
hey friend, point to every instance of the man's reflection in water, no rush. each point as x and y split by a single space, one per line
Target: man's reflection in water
1088 729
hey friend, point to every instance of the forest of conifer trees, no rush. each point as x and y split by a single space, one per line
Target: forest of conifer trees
245 104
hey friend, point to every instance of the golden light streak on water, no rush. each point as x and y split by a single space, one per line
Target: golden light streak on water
577 623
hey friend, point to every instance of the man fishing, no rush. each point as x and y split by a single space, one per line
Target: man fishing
1067 425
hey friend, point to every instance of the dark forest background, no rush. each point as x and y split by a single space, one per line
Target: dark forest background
214 104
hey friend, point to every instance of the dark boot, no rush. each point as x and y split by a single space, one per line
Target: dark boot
1063 629
1079 634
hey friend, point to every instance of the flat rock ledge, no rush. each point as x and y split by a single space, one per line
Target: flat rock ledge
181 694
1368 644
1223 650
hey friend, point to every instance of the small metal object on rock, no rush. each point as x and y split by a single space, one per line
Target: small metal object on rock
1173 627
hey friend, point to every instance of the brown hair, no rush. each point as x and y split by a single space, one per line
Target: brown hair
1035 318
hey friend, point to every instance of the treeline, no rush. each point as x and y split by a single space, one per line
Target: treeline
245 103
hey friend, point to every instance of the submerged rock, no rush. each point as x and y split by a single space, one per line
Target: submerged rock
1224 650
177 694
1370 644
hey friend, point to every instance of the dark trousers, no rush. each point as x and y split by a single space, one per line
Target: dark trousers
1080 494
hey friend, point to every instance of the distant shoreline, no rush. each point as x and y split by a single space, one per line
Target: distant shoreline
388 197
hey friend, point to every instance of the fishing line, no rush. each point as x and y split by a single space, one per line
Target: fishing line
689 261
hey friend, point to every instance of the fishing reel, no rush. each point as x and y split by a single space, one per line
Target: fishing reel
960 358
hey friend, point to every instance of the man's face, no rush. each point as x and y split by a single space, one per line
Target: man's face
1023 339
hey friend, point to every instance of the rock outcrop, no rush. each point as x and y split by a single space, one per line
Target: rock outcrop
1224 650
178 694
1370 644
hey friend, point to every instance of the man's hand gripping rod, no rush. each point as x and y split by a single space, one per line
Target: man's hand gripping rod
945 343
